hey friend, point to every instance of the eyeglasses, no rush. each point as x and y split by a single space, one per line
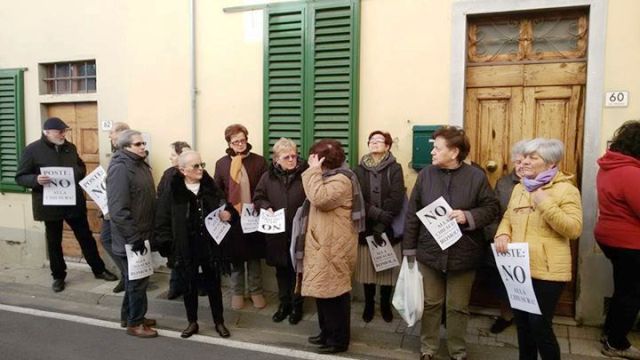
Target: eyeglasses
289 157
139 143
376 141
239 142
198 166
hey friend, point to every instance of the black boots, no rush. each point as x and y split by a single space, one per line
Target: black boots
296 313
369 302
282 313
385 302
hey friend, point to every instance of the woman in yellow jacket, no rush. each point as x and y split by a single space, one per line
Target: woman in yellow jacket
545 211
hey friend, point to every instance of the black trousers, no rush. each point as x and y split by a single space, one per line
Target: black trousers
535 332
625 302
334 317
286 278
209 280
80 227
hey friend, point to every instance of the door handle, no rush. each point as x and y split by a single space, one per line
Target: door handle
491 166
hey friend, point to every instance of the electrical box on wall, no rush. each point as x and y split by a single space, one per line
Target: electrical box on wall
422 145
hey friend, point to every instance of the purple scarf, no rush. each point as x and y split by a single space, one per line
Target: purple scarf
542 179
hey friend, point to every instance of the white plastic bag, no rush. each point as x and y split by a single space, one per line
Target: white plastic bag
408 297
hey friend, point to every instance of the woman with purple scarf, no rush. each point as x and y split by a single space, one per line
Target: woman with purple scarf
545 211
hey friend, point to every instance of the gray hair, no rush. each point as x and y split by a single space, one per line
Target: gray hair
518 149
119 126
183 157
282 145
124 139
550 150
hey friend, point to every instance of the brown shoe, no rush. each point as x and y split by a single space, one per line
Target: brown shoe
237 302
258 301
147 323
141 331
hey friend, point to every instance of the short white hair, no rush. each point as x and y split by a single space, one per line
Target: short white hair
550 150
518 149
184 157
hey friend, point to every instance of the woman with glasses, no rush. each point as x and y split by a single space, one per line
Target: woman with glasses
281 188
180 220
238 173
448 274
545 211
382 184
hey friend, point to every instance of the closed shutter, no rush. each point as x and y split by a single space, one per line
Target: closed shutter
11 127
311 62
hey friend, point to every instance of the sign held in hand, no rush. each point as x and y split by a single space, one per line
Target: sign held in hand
271 223
94 184
435 218
216 227
515 272
62 188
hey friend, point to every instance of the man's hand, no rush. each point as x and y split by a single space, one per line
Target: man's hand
43 179
139 248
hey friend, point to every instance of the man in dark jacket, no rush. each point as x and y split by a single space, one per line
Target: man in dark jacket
131 198
54 150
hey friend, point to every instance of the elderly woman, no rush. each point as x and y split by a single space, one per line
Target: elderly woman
504 188
335 216
281 188
180 220
545 211
176 288
238 173
618 234
448 274
383 190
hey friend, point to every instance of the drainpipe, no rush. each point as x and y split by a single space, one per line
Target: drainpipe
192 52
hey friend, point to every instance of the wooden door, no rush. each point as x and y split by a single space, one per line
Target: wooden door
83 120
506 104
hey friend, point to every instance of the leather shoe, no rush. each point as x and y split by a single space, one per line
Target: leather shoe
58 285
146 322
141 331
120 287
106 275
331 349
173 294
190 330
296 315
282 313
222 331
317 340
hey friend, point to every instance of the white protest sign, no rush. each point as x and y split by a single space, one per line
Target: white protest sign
516 275
95 186
435 218
271 223
382 256
62 188
249 219
216 227
139 266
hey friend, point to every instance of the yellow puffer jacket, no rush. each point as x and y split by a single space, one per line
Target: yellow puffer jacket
547 226
331 240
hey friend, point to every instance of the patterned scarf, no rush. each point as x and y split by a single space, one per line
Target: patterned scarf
542 179
239 182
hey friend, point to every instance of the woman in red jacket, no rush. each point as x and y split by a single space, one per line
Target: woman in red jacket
618 234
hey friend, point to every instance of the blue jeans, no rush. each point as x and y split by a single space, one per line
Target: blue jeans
134 303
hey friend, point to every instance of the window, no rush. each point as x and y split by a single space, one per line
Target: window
311 73
71 77
11 127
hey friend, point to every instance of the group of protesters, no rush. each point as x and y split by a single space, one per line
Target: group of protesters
332 214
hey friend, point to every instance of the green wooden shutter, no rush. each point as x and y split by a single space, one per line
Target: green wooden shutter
11 127
283 76
333 64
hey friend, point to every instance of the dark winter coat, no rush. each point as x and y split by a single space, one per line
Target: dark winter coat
165 180
131 197
503 190
244 246
43 153
465 188
180 222
279 189
387 180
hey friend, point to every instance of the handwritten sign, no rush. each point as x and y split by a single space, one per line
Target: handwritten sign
62 188
271 223
382 255
435 218
516 275
249 219
139 266
94 184
216 227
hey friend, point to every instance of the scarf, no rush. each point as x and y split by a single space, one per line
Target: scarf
239 190
369 161
375 169
542 179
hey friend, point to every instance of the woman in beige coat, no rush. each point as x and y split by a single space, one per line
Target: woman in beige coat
545 211
334 220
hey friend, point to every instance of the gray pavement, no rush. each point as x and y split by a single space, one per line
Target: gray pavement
88 297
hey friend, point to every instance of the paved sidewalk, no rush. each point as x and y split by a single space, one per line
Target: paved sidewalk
89 297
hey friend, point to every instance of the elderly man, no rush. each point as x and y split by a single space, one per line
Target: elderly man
53 149
131 198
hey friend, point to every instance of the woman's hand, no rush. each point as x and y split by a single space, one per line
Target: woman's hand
458 216
314 161
539 196
225 215
501 242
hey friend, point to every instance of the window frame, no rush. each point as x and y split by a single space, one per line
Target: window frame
9 185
